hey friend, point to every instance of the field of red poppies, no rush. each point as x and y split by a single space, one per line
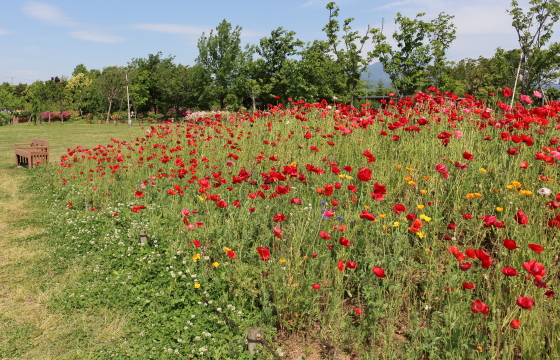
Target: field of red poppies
426 227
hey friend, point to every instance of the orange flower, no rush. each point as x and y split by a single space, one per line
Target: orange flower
416 225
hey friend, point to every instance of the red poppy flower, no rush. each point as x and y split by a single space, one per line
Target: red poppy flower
379 272
468 156
524 165
367 215
536 248
340 265
316 286
535 268
279 217
416 225
469 286
277 232
507 92
313 255
458 254
344 241
467 216
231 254
222 204
325 235
139 194
451 226
549 294
351 265
296 201
410 217
515 324
525 302
521 218
364 174
196 243
479 307
484 258
136 209
399 208
510 244
264 253
466 266
509 271
470 253
378 192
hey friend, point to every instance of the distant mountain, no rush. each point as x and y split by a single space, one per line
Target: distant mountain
376 73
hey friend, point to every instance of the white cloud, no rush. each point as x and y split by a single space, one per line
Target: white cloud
173 28
4 32
96 37
48 14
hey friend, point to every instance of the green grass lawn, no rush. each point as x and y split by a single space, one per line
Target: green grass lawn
29 328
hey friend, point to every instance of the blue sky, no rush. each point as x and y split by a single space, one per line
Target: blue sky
41 39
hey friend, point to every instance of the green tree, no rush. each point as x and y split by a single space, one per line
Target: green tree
111 85
534 30
77 90
219 55
147 79
419 45
348 52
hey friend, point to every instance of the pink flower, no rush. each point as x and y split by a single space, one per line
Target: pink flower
537 94
526 99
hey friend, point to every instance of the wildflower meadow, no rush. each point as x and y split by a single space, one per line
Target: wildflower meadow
419 228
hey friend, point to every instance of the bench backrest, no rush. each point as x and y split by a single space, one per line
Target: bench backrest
39 142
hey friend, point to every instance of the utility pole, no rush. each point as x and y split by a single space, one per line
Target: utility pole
128 100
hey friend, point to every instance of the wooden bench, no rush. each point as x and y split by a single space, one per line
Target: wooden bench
32 153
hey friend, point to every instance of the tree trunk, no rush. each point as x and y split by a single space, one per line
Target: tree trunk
109 111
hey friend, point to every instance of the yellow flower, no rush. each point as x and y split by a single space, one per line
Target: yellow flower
516 184
342 176
420 207
196 257
426 177
423 192
383 216
215 264
366 207
470 196
409 169
420 234
477 195
294 164
399 166
407 178
200 198
282 260
509 187
227 249
499 209
427 250
196 285
526 192
384 227
411 183
348 177
305 257
425 217
396 224
482 170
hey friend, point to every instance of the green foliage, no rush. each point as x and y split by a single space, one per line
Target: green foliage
221 56
534 30
419 57
348 51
